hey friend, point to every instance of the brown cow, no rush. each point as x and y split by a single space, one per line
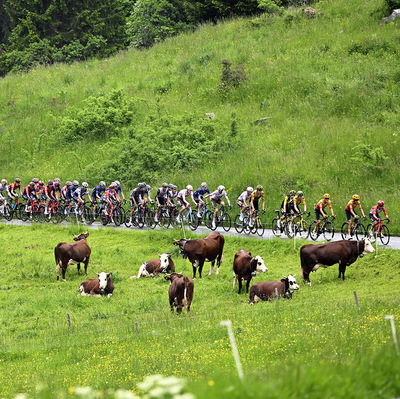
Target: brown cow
203 250
266 290
71 253
245 267
180 292
154 267
102 286
343 252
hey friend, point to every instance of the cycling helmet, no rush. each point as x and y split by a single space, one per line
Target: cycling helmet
32 184
292 192
165 185
221 188
84 184
35 179
300 193
203 185
148 186
112 187
4 181
327 196
68 183
174 187
142 185
57 180
17 180
102 184
189 187
50 183
75 183
41 183
260 187
381 203
356 197
117 182
250 189
114 184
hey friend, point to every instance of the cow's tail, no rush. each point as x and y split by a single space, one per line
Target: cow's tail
58 258
234 279
302 262
185 301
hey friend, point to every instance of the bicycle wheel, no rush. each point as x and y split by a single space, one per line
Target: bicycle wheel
116 216
314 230
329 231
385 235
25 215
259 224
303 229
149 219
238 224
226 222
19 210
246 225
276 230
345 230
8 213
208 218
128 222
192 220
164 219
289 230
360 231
89 217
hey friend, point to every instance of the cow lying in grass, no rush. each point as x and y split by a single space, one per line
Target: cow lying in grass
101 286
154 267
265 291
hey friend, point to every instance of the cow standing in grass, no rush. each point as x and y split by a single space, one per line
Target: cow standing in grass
180 292
72 253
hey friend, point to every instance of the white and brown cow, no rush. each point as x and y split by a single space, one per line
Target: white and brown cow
265 290
72 253
101 286
245 267
154 267
180 292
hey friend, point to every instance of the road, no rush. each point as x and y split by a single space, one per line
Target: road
394 241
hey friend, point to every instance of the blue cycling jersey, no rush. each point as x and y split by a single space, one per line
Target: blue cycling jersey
200 192
98 191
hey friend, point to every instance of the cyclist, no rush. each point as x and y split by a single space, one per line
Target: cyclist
109 196
63 194
118 190
70 192
12 190
244 201
30 195
198 197
40 189
374 214
350 212
319 209
79 197
298 198
172 194
286 206
181 200
136 197
3 187
216 200
49 193
161 198
259 193
96 195
57 187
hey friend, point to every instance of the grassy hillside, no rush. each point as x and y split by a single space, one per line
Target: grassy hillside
317 342
330 84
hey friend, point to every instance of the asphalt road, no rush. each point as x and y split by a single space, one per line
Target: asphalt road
393 243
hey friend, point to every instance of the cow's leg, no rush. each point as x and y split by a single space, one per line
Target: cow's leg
78 266
234 279
194 272
247 285
58 271
171 304
211 267
63 274
86 264
342 269
305 276
201 264
240 284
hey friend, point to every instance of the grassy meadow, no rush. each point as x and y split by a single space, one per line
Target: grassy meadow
330 84
317 344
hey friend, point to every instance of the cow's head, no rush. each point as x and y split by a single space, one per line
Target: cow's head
261 268
290 284
172 276
82 236
164 262
103 281
181 244
368 248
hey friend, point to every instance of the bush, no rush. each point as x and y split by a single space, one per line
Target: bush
231 78
393 4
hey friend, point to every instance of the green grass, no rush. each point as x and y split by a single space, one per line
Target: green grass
330 84
316 343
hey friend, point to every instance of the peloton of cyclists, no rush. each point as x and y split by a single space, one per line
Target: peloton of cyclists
350 210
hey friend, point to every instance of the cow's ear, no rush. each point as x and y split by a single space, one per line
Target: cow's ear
109 274
283 280
98 274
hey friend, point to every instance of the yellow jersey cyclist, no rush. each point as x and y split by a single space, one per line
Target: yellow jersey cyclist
350 210
259 193
297 200
286 206
319 209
